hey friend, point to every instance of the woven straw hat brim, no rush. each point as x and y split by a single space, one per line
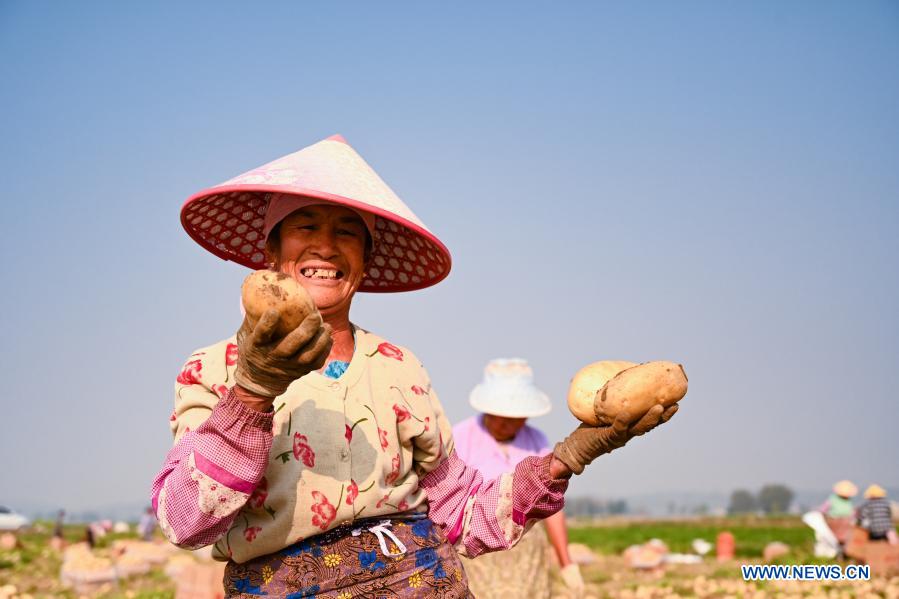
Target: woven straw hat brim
405 257
227 220
875 492
845 488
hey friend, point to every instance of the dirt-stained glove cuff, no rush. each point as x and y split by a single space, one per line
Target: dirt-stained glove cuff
255 388
564 454
586 443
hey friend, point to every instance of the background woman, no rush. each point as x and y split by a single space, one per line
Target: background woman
494 441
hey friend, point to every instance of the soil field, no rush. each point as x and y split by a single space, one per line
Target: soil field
33 568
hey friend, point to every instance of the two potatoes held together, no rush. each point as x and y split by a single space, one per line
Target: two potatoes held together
616 401
283 338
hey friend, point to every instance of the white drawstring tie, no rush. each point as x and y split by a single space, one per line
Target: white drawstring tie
382 530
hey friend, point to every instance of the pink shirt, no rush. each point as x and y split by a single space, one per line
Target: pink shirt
476 447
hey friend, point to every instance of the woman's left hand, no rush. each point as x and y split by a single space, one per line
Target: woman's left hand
587 442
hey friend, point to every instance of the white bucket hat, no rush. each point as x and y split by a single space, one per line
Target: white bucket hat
508 390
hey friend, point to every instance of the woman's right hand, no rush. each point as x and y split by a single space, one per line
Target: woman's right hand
267 365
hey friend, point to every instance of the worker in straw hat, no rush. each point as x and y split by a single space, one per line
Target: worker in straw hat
839 512
875 515
839 503
321 461
494 442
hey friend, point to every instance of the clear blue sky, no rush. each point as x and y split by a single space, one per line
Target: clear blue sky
713 183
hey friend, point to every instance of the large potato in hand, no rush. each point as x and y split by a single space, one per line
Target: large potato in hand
602 390
265 289
585 384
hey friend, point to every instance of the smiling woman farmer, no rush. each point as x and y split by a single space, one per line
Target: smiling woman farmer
322 461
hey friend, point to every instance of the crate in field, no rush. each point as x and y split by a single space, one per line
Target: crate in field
85 572
882 557
201 581
856 544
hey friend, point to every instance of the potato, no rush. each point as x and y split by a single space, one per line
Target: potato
585 384
265 289
602 390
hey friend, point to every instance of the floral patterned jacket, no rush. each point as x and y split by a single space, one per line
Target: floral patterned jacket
374 442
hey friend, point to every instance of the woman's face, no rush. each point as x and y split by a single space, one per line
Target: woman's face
501 428
323 248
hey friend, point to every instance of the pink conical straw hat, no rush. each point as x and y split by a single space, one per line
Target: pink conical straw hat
228 219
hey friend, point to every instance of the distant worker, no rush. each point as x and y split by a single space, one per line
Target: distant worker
839 504
495 441
147 525
57 541
839 511
874 515
60 520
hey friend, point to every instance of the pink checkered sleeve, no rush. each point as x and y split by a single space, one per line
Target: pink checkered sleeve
211 472
480 517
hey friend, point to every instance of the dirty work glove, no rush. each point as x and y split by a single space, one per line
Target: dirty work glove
267 365
587 442
571 576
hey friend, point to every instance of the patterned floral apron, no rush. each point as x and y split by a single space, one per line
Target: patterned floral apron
396 558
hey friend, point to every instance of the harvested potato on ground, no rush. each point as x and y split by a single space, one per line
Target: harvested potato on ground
265 289
602 390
